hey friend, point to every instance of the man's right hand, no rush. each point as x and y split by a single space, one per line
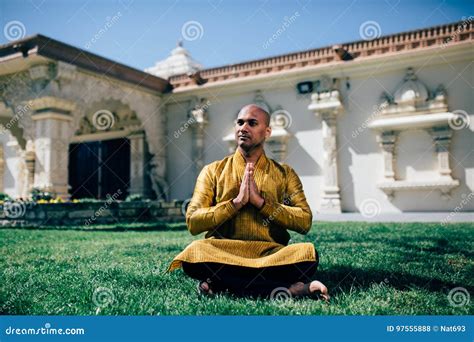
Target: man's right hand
244 192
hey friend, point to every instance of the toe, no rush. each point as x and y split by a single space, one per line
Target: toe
316 286
204 286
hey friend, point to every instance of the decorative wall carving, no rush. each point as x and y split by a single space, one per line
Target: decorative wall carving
413 106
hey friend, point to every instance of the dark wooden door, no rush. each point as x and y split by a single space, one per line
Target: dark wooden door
99 168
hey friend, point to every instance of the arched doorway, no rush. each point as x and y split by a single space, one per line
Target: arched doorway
108 156
100 168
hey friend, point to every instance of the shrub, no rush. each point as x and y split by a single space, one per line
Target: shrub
38 194
135 198
4 197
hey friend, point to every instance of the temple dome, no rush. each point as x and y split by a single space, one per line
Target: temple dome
179 62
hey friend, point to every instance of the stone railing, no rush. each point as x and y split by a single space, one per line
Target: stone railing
32 214
400 42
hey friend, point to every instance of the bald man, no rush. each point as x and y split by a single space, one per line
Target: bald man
245 204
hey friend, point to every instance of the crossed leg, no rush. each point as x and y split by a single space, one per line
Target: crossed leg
295 279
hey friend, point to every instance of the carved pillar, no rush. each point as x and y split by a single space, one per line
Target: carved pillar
138 153
278 141
231 144
278 148
52 124
155 129
198 116
331 200
442 139
387 140
328 105
30 166
198 147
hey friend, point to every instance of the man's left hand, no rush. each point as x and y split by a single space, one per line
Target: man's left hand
254 197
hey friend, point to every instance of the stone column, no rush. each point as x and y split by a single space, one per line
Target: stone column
387 140
442 139
278 141
328 106
198 116
331 200
138 155
52 126
30 158
229 139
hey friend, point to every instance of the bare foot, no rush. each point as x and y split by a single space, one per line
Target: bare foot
316 286
204 288
315 289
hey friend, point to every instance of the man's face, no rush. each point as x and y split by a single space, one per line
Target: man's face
251 129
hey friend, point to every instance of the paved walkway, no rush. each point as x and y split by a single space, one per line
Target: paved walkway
399 217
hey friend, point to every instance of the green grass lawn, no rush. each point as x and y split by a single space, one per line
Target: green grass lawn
370 269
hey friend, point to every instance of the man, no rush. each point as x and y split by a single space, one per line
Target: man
246 203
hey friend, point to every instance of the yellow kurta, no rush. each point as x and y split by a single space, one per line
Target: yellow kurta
247 237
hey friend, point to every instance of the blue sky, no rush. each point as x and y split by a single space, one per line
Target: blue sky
138 33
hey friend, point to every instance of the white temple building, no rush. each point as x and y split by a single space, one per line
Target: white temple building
178 63
382 125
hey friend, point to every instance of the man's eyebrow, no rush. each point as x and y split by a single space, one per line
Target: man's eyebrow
251 119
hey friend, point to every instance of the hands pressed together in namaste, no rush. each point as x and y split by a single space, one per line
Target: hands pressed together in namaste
248 190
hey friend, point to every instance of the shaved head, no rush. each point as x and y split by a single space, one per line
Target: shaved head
254 107
252 127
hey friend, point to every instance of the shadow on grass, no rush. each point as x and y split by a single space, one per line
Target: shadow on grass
344 278
440 246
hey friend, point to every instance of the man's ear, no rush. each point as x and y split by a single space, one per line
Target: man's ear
268 132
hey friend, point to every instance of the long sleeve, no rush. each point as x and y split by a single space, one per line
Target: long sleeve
202 213
294 213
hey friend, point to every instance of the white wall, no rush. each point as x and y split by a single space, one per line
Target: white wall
359 156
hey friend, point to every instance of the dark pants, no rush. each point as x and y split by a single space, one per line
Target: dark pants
247 281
